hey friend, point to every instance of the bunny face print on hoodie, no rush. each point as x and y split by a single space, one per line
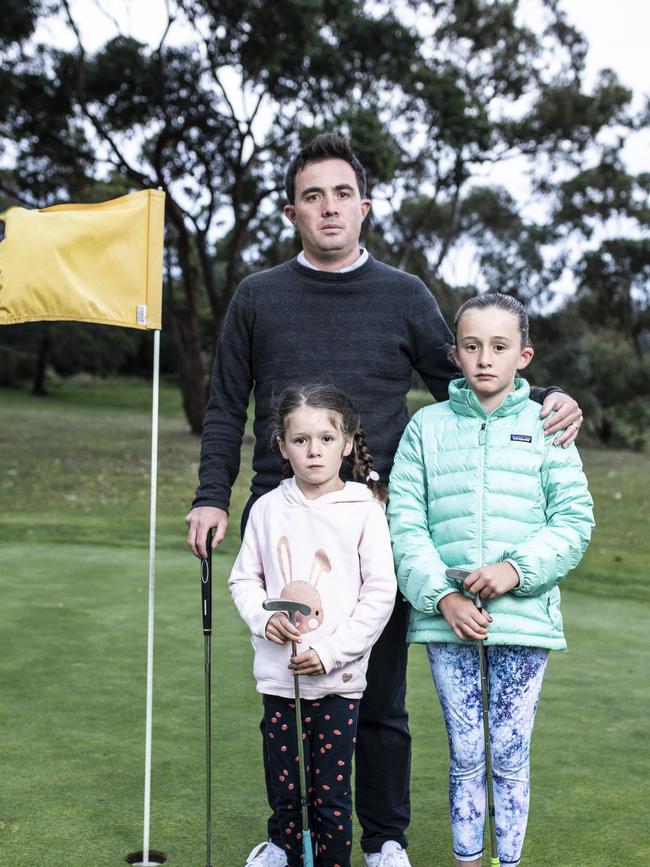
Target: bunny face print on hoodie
303 591
334 554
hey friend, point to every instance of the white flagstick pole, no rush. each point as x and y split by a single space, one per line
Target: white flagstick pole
152 582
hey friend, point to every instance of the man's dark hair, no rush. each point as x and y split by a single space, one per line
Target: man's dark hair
328 146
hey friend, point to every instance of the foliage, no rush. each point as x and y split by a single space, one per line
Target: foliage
430 94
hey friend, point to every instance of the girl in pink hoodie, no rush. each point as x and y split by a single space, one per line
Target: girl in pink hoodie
322 541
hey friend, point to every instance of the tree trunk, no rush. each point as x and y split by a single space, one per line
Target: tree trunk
191 371
38 383
183 319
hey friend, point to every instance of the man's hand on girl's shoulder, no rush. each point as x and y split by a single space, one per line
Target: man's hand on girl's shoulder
567 418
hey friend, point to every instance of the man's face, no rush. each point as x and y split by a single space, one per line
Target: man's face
328 213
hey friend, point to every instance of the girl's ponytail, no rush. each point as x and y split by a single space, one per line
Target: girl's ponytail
363 467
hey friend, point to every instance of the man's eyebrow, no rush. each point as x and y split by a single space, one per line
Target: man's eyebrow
308 190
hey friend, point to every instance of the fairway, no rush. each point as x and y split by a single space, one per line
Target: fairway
74 574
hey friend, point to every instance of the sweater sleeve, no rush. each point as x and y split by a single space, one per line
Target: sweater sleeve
431 343
225 418
420 569
539 394
356 634
246 583
550 553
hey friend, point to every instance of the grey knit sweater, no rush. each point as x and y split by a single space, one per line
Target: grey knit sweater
363 331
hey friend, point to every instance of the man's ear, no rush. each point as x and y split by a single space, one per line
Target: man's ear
526 357
290 213
366 207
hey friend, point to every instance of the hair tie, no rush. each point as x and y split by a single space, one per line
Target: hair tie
372 476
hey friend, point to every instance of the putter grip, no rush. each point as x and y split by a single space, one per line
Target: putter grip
206 587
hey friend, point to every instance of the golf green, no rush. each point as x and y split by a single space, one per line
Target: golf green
74 579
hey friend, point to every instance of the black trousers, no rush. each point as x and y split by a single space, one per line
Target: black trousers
383 749
329 727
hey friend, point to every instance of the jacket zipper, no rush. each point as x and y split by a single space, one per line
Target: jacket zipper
482 439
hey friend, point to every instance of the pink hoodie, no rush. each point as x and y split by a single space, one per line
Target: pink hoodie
333 553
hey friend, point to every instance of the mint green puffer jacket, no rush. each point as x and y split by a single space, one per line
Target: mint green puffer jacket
468 489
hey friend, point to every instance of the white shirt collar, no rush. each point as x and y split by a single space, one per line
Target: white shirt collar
363 257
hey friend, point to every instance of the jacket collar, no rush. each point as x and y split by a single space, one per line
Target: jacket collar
464 402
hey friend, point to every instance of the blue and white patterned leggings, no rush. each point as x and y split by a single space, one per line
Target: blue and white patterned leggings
515 677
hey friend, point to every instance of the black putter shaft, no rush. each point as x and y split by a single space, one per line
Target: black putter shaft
206 615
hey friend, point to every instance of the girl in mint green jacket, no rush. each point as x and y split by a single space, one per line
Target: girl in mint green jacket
477 486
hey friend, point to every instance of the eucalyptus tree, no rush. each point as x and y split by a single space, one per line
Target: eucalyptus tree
432 95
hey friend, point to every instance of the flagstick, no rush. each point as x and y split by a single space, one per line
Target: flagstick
152 581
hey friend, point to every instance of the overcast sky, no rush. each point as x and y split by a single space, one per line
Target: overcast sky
617 32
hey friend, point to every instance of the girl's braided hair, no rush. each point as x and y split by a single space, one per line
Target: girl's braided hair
330 399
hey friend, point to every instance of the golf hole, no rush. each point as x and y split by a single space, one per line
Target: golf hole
155 858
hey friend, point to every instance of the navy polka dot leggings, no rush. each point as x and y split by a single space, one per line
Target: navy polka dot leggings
329 734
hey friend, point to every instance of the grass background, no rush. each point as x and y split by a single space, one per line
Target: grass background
74 511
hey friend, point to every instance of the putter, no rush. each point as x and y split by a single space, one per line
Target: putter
291 607
459 576
206 614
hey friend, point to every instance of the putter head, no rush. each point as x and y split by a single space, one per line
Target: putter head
459 575
289 605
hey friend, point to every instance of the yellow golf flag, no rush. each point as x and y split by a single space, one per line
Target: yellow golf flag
89 263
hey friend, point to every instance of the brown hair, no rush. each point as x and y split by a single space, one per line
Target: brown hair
330 399
503 302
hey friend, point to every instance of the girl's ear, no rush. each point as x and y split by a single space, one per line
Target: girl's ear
454 354
347 449
526 357
283 451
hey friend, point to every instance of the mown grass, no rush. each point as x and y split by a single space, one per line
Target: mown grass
74 506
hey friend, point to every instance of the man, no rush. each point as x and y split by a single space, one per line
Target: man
334 314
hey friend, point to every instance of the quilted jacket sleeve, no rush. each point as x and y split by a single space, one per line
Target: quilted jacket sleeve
550 553
420 570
